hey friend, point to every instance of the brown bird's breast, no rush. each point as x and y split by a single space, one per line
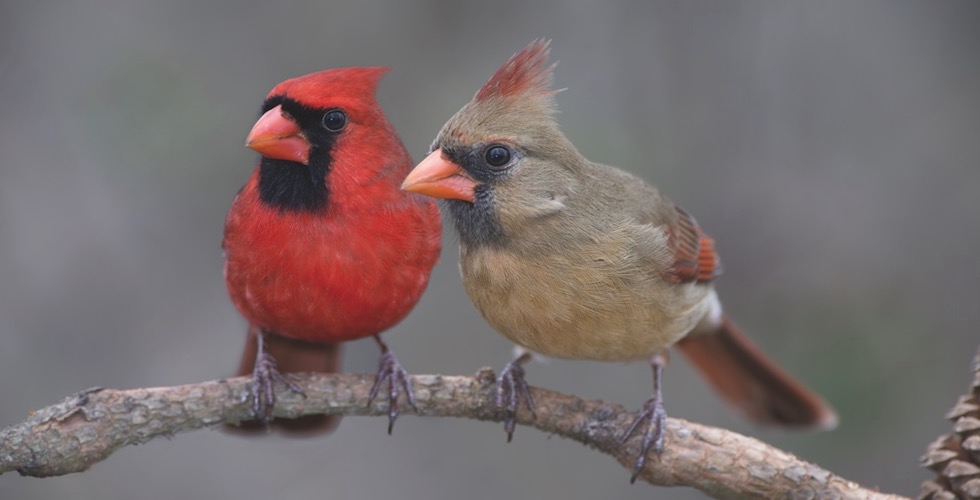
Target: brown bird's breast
601 300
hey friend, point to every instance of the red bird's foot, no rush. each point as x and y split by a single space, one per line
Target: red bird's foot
511 389
264 377
654 410
390 370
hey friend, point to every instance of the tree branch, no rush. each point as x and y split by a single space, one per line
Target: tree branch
89 426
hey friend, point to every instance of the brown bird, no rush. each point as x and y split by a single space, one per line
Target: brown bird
577 260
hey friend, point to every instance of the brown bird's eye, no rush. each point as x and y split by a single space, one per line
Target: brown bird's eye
497 156
334 120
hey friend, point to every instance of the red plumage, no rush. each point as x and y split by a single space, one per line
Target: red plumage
334 252
329 278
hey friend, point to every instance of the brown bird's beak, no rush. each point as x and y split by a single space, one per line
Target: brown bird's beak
440 178
278 136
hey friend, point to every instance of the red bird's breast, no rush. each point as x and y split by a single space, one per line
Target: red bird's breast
345 273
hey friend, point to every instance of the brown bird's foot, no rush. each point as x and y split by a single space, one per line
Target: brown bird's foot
511 389
653 409
264 377
390 370
653 438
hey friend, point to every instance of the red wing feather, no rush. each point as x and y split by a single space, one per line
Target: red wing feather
695 258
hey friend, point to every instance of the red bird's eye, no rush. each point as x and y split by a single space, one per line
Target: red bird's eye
497 156
334 120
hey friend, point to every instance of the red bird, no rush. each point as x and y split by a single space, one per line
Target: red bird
321 245
578 260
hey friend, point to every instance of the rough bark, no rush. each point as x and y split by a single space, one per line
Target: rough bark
89 426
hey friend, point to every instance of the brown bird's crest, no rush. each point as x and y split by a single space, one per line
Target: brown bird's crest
526 72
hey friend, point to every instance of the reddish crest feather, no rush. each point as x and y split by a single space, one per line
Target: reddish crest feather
526 72
327 87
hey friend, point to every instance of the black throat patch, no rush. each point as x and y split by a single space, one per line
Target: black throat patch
290 186
477 223
293 187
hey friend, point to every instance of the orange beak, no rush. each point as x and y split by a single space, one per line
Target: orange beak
279 137
440 178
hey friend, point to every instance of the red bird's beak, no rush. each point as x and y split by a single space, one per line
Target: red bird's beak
279 137
440 178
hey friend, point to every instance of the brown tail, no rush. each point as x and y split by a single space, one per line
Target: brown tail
292 356
753 383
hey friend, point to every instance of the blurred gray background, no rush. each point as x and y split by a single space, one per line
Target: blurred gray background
831 148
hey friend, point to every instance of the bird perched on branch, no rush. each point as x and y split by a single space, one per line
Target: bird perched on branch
321 245
574 259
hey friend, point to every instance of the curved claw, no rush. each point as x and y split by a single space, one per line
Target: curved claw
654 410
511 390
653 437
262 390
390 370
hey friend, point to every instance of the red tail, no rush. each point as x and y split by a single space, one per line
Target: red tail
753 383
292 356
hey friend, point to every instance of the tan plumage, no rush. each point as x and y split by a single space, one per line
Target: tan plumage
574 259
584 291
